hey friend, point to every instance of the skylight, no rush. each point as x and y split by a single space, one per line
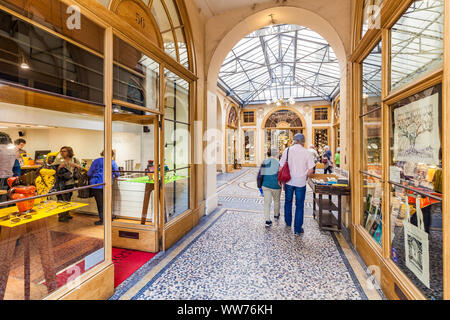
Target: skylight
281 61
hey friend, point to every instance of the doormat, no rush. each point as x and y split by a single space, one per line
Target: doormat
126 262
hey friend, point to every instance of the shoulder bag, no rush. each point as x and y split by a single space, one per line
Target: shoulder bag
417 245
284 175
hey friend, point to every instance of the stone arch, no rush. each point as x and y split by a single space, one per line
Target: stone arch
285 15
273 111
256 21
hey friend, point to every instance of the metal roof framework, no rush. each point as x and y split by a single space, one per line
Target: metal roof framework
417 46
281 62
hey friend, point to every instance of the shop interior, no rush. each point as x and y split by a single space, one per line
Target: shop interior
77 243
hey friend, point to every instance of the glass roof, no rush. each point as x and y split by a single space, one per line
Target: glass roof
281 61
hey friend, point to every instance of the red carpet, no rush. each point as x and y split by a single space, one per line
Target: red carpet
126 262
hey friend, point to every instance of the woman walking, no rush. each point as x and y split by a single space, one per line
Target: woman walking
271 187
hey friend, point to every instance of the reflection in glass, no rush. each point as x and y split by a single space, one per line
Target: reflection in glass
177 145
176 193
136 76
420 256
371 217
371 80
182 47
169 44
176 98
417 42
34 58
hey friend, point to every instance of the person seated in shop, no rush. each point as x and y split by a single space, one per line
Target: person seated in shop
67 172
19 144
95 175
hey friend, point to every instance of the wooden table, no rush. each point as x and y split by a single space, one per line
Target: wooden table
327 221
37 227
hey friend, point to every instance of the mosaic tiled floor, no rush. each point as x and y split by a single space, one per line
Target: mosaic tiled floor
238 258
232 255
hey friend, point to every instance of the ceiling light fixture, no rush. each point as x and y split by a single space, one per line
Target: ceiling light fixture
272 24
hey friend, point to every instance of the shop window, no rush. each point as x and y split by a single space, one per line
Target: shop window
60 148
321 114
136 76
417 42
371 217
231 137
177 145
415 177
321 138
54 15
248 117
249 146
371 143
37 59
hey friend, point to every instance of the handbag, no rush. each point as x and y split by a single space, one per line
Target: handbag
284 175
324 160
417 245
82 182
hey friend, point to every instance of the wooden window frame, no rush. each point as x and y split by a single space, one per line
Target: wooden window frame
368 249
243 123
314 108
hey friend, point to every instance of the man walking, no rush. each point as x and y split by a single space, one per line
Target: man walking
301 166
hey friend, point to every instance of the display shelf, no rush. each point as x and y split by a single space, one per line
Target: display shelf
326 204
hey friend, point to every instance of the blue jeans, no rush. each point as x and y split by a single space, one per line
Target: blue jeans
300 193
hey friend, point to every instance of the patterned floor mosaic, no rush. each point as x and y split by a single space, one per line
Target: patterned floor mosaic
232 255
238 258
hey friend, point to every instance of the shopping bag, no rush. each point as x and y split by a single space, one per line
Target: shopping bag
417 245
284 175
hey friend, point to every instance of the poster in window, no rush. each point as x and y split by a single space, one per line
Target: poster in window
416 132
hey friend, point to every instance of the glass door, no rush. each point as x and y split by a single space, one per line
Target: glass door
135 192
